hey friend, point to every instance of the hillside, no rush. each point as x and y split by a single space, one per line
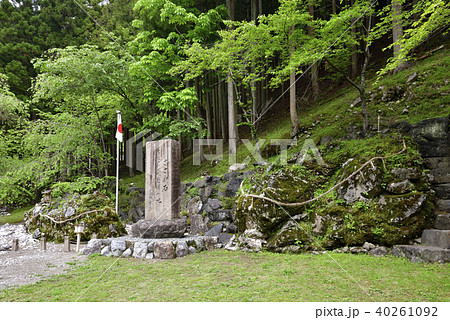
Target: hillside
418 93
426 95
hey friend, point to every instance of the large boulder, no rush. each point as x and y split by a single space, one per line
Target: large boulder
214 231
140 249
195 205
213 205
230 189
56 219
118 247
400 187
367 213
182 249
364 185
156 229
284 185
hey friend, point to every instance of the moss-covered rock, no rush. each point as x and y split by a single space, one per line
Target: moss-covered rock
395 220
364 185
100 218
362 212
284 185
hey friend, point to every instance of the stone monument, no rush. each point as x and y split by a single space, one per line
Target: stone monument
162 180
162 191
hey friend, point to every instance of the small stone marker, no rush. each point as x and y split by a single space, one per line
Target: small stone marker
47 196
162 180
66 244
43 244
15 245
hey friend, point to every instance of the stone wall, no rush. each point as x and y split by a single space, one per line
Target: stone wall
433 139
126 247
210 202
206 202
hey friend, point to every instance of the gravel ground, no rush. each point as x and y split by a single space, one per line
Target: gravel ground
30 264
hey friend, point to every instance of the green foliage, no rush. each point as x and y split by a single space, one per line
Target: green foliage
162 123
192 192
13 121
56 150
420 22
159 50
82 185
11 108
228 203
178 48
360 206
29 28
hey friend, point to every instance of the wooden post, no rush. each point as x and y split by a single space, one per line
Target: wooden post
15 245
66 244
43 244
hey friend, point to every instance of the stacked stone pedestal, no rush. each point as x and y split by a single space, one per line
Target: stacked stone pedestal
433 139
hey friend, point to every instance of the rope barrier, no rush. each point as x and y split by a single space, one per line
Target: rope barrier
64 221
296 204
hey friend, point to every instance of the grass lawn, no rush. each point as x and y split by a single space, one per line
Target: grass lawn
15 217
236 276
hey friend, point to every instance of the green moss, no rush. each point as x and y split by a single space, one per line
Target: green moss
187 215
192 192
228 203
102 215
285 185
385 223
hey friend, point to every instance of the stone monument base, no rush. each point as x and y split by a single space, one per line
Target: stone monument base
158 229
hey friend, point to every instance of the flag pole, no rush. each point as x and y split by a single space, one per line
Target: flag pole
119 121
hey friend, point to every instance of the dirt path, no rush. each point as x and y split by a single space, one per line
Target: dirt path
29 264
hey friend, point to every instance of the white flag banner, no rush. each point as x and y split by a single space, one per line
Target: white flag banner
119 134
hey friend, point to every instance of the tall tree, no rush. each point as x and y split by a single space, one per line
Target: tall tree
423 20
355 62
233 134
30 27
397 31
254 84
87 82
314 69
165 28
292 97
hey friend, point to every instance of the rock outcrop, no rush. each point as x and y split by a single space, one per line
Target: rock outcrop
384 207
56 219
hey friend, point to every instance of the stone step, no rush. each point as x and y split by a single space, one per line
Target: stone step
442 191
443 205
442 221
437 163
436 238
420 253
441 176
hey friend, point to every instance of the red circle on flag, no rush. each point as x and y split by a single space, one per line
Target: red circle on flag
119 128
